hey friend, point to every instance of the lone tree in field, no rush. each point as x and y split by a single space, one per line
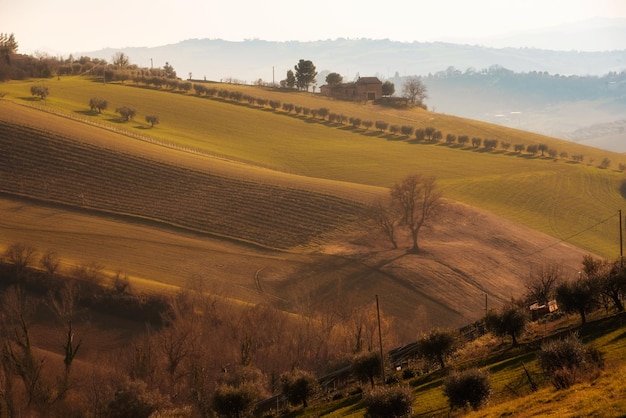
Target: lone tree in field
305 74
417 199
152 120
414 91
41 91
95 103
127 113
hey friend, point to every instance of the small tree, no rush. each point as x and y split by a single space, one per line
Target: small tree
127 113
120 59
96 103
510 321
414 90
152 120
468 387
290 81
609 277
388 88
298 386
381 125
437 346
49 261
366 366
578 296
41 91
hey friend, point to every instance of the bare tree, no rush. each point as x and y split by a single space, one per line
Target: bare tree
386 218
541 284
20 255
414 90
120 59
49 261
418 199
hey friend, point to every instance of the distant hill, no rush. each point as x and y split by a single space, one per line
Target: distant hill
251 60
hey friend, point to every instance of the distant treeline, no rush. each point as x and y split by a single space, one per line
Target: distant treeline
531 84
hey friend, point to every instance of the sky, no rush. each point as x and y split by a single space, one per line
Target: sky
70 26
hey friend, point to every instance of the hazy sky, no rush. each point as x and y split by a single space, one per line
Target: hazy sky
82 25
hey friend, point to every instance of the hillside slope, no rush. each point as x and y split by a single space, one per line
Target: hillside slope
466 252
563 197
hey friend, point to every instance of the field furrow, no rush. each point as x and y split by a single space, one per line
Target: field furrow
43 165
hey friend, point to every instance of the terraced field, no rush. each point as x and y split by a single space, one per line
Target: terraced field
40 164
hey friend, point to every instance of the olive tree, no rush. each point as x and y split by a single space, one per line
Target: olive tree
438 345
510 321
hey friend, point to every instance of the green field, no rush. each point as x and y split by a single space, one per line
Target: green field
571 201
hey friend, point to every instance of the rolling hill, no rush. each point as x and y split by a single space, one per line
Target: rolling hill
266 205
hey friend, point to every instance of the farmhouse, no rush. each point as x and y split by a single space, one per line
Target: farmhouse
537 311
365 88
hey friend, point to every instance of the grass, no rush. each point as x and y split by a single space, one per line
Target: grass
566 200
512 396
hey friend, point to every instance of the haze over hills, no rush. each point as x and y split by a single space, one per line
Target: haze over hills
591 49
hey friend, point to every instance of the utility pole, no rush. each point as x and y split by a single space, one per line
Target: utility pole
486 307
621 245
380 340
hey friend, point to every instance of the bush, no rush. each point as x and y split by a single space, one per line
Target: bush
233 401
389 402
568 360
471 387
408 374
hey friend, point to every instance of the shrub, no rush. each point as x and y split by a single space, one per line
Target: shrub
568 360
389 402
471 387
233 401
133 399
408 374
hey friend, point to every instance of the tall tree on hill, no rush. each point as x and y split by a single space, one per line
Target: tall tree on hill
8 46
418 198
388 88
334 79
305 74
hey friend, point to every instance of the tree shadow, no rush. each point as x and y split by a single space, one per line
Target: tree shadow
30 99
87 112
